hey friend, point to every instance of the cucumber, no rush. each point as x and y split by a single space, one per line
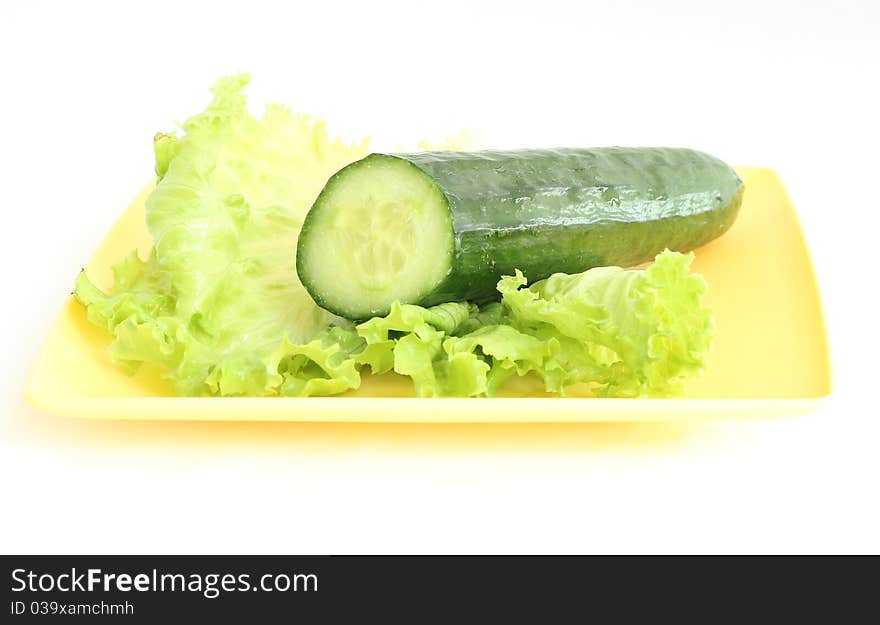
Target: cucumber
434 227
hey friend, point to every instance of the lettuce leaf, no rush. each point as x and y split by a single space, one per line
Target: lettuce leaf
631 333
626 333
218 303
409 340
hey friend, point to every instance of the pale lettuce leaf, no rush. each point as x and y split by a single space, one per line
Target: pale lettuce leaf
219 296
218 304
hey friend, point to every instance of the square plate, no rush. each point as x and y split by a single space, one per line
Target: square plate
770 355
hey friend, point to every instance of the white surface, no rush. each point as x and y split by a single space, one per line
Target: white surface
789 86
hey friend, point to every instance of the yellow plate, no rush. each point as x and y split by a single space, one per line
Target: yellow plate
770 355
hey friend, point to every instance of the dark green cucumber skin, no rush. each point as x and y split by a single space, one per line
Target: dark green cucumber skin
563 211
568 210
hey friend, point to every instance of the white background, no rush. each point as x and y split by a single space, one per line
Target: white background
790 85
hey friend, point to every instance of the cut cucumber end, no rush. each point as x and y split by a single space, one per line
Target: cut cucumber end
381 231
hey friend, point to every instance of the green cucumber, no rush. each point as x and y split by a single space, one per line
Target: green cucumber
434 227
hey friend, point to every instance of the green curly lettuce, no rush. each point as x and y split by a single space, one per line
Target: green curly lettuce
218 303
630 333
219 306
409 340
625 333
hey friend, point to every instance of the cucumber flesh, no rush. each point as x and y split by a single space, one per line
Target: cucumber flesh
386 234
